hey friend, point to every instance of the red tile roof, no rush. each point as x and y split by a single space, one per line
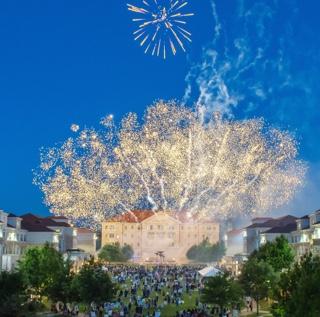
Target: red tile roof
277 222
283 229
57 217
84 230
34 223
137 216
133 216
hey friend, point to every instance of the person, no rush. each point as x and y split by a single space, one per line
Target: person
251 305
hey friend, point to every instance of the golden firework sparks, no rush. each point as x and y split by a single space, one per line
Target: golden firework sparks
158 25
171 161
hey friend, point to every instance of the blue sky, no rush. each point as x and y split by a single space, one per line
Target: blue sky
64 62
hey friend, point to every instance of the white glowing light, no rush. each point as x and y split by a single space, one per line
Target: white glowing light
171 161
74 128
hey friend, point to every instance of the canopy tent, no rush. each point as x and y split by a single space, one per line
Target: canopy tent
209 271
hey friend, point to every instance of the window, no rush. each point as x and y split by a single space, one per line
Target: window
171 227
150 235
106 227
132 226
160 227
125 227
171 235
111 235
181 227
209 228
12 236
151 227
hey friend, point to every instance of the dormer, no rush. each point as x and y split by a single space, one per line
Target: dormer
303 223
14 221
315 217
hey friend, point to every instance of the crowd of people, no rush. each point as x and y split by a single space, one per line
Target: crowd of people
147 291
153 291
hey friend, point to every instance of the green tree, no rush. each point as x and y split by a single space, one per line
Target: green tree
257 278
299 290
192 252
45 273
206 252
279 254
12 294
127 252
93 284
114 253
222 290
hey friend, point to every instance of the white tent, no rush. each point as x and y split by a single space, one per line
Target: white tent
209 271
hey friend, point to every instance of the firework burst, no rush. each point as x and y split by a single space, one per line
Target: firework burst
161 26
171 161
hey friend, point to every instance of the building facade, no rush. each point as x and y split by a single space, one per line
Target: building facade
148 233
17 233
261 230
12 240
306 238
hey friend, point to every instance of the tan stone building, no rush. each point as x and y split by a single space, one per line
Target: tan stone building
148 232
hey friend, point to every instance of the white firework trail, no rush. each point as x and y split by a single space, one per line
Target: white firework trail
161 25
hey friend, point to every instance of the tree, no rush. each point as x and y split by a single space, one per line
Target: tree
257 279
127 252
12 294
222 290
206 252
93 284
46 273
278 254
299 292
115 253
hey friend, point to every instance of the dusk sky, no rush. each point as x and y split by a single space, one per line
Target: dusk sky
65 62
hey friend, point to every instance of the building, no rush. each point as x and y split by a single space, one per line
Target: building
12 240
86 240
19 232
252 233
148 233
306 238
277 231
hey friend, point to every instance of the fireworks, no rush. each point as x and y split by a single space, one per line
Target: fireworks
74 128
161 26
171 161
